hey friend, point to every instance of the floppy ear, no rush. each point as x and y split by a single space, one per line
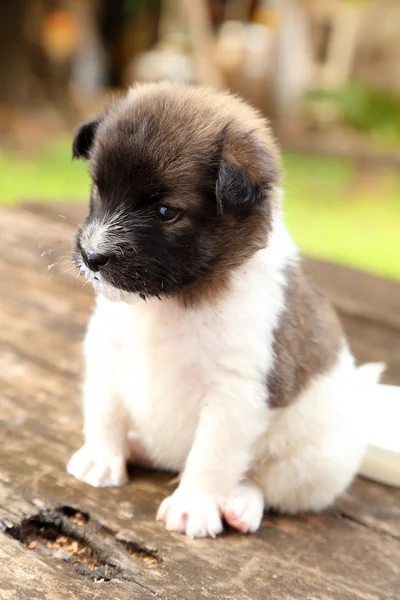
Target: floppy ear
84 138
235 190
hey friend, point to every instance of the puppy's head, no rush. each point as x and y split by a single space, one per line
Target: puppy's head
183 192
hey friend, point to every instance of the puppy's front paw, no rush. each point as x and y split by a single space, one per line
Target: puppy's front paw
188 511
98 471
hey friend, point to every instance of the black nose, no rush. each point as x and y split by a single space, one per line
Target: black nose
95 261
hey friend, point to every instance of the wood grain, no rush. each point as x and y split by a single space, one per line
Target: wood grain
350 551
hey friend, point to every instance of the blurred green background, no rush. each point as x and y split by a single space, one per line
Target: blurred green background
336 113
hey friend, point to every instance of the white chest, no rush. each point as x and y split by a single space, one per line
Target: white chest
169 359
163 376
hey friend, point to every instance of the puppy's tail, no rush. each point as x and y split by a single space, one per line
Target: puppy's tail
381 414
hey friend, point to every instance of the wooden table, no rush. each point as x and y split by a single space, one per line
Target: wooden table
65 540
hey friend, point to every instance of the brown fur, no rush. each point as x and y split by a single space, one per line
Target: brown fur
205 116
183 135
307 340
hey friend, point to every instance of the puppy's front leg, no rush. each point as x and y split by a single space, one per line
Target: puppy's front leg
101 461
233 417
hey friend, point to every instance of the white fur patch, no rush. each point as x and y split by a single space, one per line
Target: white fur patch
103 235
192 384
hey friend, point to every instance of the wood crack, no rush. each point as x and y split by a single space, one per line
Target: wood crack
70 535
370 527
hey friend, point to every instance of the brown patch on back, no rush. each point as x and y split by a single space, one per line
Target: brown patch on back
307 340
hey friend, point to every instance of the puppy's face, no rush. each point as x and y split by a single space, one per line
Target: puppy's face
182 192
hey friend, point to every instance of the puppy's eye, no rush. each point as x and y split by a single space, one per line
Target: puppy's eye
167 214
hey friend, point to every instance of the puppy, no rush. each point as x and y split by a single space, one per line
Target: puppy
208 353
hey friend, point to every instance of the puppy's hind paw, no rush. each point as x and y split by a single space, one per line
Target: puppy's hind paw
243 509
96 470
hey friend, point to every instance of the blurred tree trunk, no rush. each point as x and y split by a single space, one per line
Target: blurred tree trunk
111 23
13 64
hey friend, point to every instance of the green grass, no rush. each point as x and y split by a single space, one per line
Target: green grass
327 217
51 175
